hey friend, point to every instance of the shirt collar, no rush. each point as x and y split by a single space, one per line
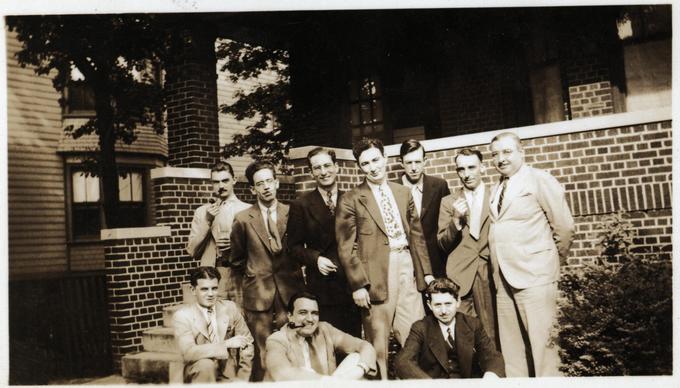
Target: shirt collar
375 187
408 183
477 190
324 193
264 209
444 328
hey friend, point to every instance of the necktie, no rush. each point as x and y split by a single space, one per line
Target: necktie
314 357
417 198
329 202
393 229
211 330
274 239
500 197
474 216
449 339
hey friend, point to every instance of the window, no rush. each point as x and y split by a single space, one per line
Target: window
79 99
366 108
86 209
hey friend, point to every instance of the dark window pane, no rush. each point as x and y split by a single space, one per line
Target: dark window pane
86 221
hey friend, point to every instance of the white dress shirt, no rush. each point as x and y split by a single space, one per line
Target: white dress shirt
475 201
416 191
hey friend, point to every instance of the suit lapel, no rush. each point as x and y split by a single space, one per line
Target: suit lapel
428 196
464 347
437 343
222 321
258 225
485 207
281 219
513 191
296 347
318 208
366 198
402 206
200 323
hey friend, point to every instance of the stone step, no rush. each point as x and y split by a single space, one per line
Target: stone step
160 340
151 367
187 296
168 311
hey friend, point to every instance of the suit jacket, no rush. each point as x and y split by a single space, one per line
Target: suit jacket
534 229
264 272
466 253
285 361
363 245
434 189
311 233
201 244
191 334
425 353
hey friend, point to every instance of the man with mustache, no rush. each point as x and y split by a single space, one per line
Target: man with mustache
530 234
210 228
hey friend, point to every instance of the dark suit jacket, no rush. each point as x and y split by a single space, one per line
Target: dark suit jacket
264 272
424 355
311 233
466 253
363 245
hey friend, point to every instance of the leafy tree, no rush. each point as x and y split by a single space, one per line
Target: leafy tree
113 53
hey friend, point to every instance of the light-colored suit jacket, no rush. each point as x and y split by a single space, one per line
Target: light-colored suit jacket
533 230
201 242
466 253
263 271
191 334
285 360
363 245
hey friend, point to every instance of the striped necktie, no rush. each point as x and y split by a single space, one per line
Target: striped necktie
500 197
211 330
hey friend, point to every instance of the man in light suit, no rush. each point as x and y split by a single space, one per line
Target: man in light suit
211 334
427 192
259 250
305 349
210 229
463 231
447 344
311 237
382 248
529 237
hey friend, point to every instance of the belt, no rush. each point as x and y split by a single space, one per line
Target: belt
399 249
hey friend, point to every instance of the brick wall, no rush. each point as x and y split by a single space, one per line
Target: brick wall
627 168
591 99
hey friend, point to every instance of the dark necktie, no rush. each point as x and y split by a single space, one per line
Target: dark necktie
274 239
504 183
313 356
449 339
329 202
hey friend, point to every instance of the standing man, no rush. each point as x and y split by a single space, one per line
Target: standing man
210 229
383 251
463 231
311 237
211 334
427 192
530 235
258 248
448 344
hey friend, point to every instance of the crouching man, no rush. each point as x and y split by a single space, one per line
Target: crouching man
212 335
447 344
305 348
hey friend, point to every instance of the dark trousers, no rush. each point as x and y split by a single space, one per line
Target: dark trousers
261 325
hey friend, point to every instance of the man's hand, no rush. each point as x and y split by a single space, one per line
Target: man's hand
223 243
236 342
428 279
325 265
361 298
213 211
460 207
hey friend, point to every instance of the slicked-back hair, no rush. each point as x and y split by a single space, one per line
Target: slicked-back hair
257 166
221 165
409 146
320 150
441 286
468 152
300 295
366 143
511 135
204 273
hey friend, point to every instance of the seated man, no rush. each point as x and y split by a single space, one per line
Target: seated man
446 344
211 334
305 348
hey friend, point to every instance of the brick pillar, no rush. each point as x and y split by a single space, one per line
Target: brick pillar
191 91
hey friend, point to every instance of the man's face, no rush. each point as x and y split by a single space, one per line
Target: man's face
414 164
374 165
305 312
265 186
443 307
206 292
324 170
223 183
470 170
507 157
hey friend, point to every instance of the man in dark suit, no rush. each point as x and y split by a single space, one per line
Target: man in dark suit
382 248
311 238
258 249
448 343
463 231
427 192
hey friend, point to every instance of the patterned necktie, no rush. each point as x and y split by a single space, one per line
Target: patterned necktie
329 202
393 229
274 239
211 330
500 197
313 356
450 341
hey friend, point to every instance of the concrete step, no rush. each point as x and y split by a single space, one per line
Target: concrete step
151 367
187 295
160 339
168 311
